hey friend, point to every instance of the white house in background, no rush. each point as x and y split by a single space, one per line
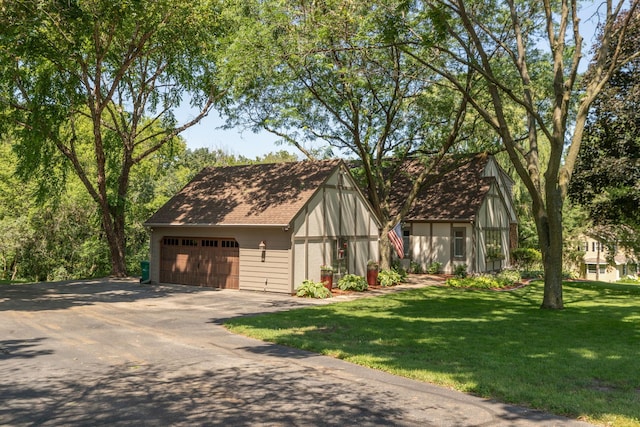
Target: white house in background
461 216
265 227
595 265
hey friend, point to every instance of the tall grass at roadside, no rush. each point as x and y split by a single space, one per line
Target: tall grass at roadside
582 362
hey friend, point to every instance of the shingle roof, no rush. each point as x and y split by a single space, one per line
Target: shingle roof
455 195
262 194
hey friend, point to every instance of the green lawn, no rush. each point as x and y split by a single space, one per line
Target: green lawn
582 362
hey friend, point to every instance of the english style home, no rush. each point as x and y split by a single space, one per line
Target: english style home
269 227
463 216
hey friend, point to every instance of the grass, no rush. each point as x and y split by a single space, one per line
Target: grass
12 282
582 362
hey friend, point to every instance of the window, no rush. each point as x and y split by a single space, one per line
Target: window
459 237
493 244
591 268
170 241
405 241
229 244
210 243
189 242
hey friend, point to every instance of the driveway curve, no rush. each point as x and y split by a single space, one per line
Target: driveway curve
118 353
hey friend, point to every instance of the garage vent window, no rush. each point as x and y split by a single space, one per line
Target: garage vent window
189 242
210 243
229 244
168 241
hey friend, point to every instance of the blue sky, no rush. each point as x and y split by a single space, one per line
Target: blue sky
209 134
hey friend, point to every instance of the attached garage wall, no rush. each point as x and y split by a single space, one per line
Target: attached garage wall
271 273
201 261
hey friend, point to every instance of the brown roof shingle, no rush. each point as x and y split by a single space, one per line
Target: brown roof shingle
261 194
455 195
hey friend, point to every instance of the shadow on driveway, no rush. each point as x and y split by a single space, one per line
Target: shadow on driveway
63 295
148 395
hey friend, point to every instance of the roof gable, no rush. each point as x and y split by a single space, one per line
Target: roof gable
261 194
455 194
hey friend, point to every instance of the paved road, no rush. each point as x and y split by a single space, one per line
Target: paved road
120 353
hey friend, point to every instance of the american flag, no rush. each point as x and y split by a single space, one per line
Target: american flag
395 236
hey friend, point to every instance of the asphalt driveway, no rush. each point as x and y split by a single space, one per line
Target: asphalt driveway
115 352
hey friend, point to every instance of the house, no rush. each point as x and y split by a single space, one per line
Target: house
264 227
597 264
464 215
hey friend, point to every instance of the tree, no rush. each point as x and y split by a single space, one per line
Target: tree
526 55
322 76
607 173
106 75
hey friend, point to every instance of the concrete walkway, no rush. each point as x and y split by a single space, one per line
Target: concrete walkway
114 352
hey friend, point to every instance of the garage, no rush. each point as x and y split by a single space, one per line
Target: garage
212 262
261 227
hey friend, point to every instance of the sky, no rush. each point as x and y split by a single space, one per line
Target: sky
209 134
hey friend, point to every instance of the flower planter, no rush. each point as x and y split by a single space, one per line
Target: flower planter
372 276
326 277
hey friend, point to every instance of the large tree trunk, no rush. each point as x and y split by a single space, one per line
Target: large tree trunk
385 250
549 227
114 229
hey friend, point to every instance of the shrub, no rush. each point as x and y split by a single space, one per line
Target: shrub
352 282
460 271
415 267
485 281
533 274
389 277
434 267
508 277
503 279
311 289
526 258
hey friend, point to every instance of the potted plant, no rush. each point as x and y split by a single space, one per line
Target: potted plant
372 273
326 276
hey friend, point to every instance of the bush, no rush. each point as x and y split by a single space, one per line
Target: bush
526 258
352 282
460 271
503 279
415 267
570 274
434 267
389 277
485 281
508 277
311 289
533 274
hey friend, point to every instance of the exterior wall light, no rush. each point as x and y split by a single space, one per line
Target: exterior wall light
263 249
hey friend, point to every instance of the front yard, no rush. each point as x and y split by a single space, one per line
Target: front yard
582 362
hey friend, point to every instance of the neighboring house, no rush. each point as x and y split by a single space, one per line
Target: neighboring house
461 217
595 265
265 227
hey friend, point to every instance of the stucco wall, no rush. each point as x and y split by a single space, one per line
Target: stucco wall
337 215
431 242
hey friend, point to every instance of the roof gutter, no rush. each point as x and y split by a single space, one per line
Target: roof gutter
177 224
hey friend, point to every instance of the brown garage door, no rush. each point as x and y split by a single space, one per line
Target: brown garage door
200 261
